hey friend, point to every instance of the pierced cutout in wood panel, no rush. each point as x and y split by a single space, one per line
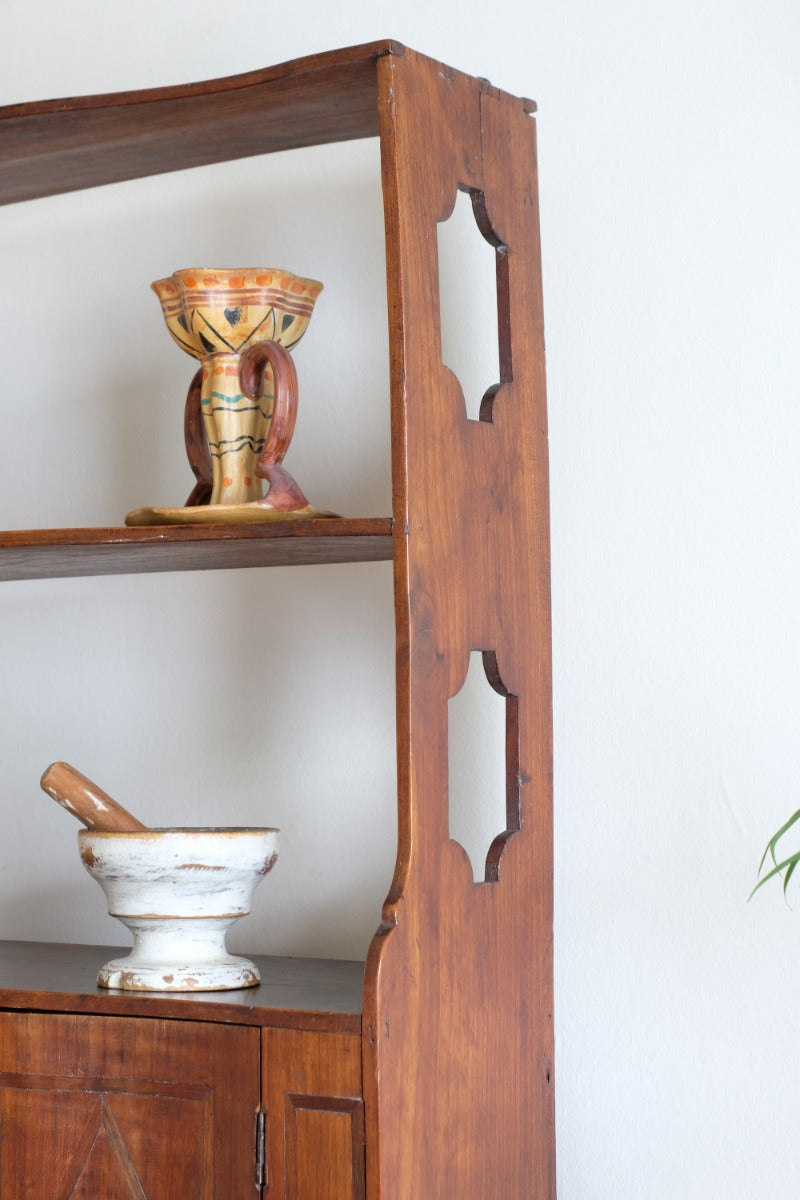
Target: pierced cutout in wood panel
469 272
483 757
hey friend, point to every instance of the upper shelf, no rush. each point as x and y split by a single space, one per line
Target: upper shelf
62 145
48 553
55 146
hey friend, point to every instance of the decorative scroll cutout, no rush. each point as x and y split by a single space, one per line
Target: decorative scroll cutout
472 346
483 757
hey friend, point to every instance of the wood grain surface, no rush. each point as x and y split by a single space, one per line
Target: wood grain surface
62 145
458 1004
47 553
106 1107
315 1116
304 993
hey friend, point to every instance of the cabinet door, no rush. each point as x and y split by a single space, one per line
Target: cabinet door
315 1116
124 1108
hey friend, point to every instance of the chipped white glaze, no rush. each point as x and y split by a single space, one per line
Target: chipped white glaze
179 891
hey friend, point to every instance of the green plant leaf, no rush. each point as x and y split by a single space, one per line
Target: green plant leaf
789 863
776 837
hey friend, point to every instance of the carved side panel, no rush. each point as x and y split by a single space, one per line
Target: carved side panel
125 1109
315 1116
458 999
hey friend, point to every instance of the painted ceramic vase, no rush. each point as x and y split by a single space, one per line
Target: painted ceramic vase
179 891
242 405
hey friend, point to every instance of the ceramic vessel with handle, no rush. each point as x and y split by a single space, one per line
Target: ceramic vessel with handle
242 404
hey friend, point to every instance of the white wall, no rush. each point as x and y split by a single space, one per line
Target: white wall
670 177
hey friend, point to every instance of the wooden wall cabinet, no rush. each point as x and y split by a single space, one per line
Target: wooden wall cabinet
106 1096
426 1072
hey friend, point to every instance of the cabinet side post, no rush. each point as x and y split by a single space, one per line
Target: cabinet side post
458 1016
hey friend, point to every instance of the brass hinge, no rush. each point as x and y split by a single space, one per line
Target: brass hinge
261 1149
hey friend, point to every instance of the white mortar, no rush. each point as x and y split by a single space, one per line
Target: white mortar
179 891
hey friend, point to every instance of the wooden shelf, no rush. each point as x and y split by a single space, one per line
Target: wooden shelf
62 145
295 993
48 553
458 984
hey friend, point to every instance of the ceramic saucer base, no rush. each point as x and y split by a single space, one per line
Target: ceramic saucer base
253 513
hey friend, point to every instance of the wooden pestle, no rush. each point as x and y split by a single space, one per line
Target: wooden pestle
86 801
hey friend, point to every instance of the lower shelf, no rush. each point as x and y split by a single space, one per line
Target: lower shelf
295 993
